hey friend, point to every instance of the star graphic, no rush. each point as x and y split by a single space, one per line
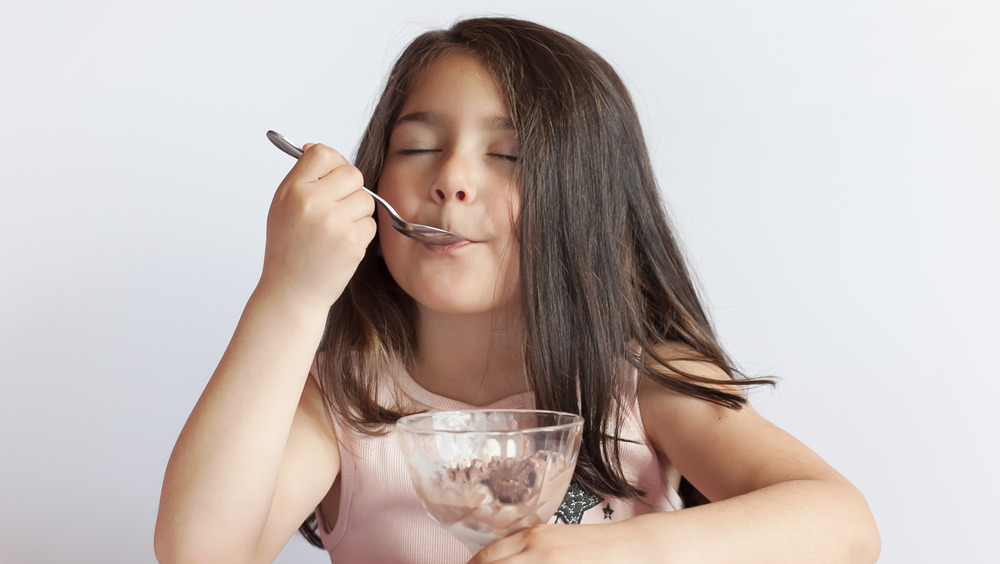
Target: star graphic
608 511
574 504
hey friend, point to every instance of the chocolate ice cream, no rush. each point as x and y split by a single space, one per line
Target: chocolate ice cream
509 478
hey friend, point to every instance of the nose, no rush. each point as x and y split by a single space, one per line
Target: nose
455 180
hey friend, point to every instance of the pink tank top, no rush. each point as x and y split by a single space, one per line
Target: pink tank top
381 520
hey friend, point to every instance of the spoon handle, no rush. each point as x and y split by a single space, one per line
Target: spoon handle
287 146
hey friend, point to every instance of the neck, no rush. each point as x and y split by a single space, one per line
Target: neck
474 359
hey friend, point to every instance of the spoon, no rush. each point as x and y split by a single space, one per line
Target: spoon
422 233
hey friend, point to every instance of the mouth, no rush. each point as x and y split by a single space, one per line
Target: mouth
447 249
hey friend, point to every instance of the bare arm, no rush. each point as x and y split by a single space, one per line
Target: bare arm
774 499
258 452
222 499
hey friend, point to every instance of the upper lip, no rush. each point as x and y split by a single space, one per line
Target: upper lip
466 240
455 230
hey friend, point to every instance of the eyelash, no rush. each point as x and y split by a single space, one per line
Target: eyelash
501 156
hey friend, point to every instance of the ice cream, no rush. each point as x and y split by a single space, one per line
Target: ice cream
510 480
480 501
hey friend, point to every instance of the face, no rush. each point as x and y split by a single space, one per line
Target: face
451 164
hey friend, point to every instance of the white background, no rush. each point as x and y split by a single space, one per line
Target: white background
832 168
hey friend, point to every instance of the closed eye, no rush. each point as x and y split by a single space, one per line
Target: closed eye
510 158
418 151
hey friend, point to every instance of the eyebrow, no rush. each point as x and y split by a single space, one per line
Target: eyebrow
417 117
490 123
498 123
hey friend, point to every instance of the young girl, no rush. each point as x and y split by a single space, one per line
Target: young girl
569 294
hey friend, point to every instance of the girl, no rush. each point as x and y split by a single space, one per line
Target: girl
569 294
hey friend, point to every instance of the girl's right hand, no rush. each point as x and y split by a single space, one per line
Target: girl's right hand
318 228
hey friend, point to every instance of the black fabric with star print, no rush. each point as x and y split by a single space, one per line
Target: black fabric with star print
575 503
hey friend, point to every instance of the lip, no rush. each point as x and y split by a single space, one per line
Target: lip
447 249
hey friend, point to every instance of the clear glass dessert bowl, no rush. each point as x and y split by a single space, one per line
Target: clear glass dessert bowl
486 474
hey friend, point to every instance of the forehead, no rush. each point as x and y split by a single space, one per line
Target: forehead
454 84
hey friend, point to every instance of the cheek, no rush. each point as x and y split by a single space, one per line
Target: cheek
507 261
391 244
399 177
397 265
512 217
389 240
514 203
387 186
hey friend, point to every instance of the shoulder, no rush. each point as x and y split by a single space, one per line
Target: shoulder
682 364
723 451
676 362
683 360
666 410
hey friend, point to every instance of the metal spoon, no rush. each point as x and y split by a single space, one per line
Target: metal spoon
422 233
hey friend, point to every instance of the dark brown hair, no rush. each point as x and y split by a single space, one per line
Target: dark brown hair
603 282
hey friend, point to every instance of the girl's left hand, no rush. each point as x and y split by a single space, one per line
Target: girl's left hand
571 544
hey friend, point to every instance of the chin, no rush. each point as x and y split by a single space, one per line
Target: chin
473 305
457 307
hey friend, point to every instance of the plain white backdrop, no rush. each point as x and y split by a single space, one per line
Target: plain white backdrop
832 168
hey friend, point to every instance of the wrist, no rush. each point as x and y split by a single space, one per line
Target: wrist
289 297
277 302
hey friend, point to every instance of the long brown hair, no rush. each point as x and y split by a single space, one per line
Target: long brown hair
602 280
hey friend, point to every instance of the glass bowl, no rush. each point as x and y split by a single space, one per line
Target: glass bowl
485 474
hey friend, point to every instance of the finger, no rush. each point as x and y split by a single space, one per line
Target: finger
316 162
367 227
501 549
340 182
358 206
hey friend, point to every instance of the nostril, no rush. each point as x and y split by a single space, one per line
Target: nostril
440 194
460 195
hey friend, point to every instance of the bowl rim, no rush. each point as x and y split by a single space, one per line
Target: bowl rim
406 422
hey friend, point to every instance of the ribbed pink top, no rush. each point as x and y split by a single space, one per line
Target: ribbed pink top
381 520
